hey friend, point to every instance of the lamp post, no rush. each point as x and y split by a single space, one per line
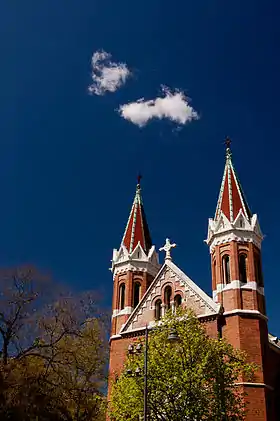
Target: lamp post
129 372
146 374
172 337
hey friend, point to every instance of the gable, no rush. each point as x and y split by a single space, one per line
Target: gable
193 297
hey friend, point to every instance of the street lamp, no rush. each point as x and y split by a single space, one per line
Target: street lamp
137 349
172 337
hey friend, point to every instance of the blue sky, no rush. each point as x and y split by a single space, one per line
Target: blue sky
69 161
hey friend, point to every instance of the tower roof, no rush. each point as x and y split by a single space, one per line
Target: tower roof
231 197
137 229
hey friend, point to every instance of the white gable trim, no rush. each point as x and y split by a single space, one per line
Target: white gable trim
213 308
210 303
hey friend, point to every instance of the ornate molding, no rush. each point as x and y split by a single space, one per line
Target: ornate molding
193 296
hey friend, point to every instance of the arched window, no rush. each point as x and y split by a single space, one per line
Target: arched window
158 309
258 270
226 269
177 300
214 268
121 296
136 293
243 267
167 297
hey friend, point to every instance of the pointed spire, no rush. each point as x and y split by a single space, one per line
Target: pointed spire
137 229
231 197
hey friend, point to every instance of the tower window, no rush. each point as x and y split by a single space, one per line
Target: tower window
258 270
177 300
167 297
214 267
158 309
121 296
243 268
226 269
136 293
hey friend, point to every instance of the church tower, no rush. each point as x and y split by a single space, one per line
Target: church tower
234 239
134 265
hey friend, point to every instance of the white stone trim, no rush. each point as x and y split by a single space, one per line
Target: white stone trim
211 305
115 337
222 231
249 312
230 190
126 310
208 306
252 384
232 285
123 261
254 286
137 266
214 296
202 316
233 234
236 284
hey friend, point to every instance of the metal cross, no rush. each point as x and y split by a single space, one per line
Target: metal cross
167 247
227 142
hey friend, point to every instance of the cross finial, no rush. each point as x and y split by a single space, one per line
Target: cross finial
167 247
228 142
139 177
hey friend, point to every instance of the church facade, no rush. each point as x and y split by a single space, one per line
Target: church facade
143 290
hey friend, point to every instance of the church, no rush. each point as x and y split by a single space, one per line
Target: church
143 290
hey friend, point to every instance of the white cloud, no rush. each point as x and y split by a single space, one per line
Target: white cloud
173 106
107 76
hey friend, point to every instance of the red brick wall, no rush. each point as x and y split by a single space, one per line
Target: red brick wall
118 354
250 335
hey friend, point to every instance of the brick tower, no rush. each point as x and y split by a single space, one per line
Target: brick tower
134 266
234 238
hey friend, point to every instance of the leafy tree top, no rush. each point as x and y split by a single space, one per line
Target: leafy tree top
193 379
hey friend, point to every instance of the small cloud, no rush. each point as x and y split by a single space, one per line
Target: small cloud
173 106
107 76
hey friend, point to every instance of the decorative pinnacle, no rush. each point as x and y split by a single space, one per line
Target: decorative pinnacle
227 142
139 178
167 247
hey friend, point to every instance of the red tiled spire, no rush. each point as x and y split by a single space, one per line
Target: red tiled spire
137 229
231 197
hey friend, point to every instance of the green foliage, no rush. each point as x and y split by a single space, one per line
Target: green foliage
192 379
53 353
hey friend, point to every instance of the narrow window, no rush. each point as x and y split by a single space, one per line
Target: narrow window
214 267
158 309
258 270
226 269
136 293
243 268
121 296
167 297
177 300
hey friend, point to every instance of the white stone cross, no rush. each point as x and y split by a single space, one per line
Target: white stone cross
167 247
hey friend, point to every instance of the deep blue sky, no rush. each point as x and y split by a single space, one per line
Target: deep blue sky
69 162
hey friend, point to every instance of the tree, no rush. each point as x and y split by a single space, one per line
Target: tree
192 379
53 351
